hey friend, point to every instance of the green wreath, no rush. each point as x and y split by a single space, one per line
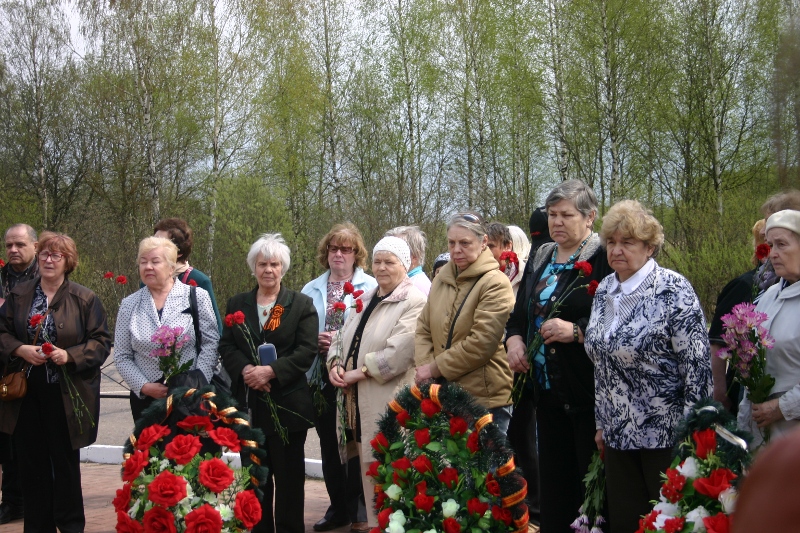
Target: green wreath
442 465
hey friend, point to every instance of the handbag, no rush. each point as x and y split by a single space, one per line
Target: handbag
14 385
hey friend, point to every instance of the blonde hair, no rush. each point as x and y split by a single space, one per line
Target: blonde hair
149 244
759 228
344 234
632 219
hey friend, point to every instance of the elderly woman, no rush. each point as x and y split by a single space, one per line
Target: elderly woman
781 303
441 260
375 353
460 330
344 257
160 302
647 338
286 319
63 355
561 397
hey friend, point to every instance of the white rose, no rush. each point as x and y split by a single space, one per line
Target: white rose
667 508
394 492
449 508
696 516
430 531
398 517
728 499
689 468
395 527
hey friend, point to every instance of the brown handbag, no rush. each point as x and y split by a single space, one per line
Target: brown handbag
14 385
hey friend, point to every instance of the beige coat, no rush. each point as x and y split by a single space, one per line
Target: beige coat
387 349
476 359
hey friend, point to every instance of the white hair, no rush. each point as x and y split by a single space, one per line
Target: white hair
519 242
269 245
414 237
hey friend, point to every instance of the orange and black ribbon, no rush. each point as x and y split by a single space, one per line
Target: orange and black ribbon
274 318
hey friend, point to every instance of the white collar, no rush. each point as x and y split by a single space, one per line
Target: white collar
633 282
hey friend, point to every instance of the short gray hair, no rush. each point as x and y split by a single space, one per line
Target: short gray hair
469 220
269 245
28 229
578 193
414 237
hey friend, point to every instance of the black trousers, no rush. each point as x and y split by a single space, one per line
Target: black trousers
286 484
633 479
343 482
522 437
52 472
566 446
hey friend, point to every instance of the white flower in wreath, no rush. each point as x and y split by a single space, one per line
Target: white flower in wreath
225 512
430 531
210 497
394 492
661 519
395 527
688 468
696 516
134 509
668 510
398 517
449 508
728 499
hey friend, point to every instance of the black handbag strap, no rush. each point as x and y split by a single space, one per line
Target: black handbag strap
198 337
460 307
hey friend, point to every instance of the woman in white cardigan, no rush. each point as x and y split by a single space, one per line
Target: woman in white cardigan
374 355
162 301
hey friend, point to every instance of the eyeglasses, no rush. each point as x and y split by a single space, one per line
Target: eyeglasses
346 250
54 257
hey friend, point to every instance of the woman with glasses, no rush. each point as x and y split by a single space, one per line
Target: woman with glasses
343 256
460 330
56 329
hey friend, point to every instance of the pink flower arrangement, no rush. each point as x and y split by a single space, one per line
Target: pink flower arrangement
170 341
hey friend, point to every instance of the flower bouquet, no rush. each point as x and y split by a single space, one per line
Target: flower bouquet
442 465
746 347
700 488
175 479
593 502
170 341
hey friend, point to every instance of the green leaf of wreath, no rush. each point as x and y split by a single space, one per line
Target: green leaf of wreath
434 446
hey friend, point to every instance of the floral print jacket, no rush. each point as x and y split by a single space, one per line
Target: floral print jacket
654 366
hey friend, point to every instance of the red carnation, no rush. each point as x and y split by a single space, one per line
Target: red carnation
584 267
380 443
150 435
458 426
192 283
122 280
357 293
473 442
126 524
339 306
475 506
167 489
35 320
183 448
403 417
215 474
429 407
451 525
229 320
226 437
716 482
383 518
719 523
359 306
159 520
592 288
134 465
204 519
122 501
238 317
348 288
247 509
762 251
47 348
402 464
108 275
422 464
449 477
502 515
422 436
706 442
196 424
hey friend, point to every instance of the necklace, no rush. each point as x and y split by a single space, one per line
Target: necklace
556 269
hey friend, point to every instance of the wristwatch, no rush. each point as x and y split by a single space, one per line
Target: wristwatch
365 370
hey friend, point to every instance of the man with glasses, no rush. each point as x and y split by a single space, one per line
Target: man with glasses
21 265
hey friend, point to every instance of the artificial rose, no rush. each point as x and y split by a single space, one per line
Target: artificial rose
122 501
696 516
715 483
397 480
398 517
394 492
728 500
380 443
502 515
158 520
134 464
688 468
450 508
339 306
458 426
719 523
196 424
379 500
150 435
584 267
215 475
422 501
422 464
592 288
226 437
167 489
247 509
35 320
238 317
383 518
348 288
183 448
429 407
451 525
229 320
126 524
492 486
449 477
204 519
475 506
359 306
47 348
108 275
705 441
422 436
403 417
473 442
395 527
373 469
375 530
402 464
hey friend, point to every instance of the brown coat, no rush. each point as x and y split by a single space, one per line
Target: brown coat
82 331
476 359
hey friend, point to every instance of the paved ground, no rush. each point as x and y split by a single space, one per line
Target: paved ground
100 483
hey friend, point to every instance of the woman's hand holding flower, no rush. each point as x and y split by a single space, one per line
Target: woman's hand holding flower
766 413
259 377
336 376
557 330
31 354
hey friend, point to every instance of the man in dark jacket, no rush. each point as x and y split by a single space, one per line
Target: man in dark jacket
21 244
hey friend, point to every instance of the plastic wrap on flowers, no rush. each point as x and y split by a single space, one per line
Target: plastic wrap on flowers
441 464
700 488
174 472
